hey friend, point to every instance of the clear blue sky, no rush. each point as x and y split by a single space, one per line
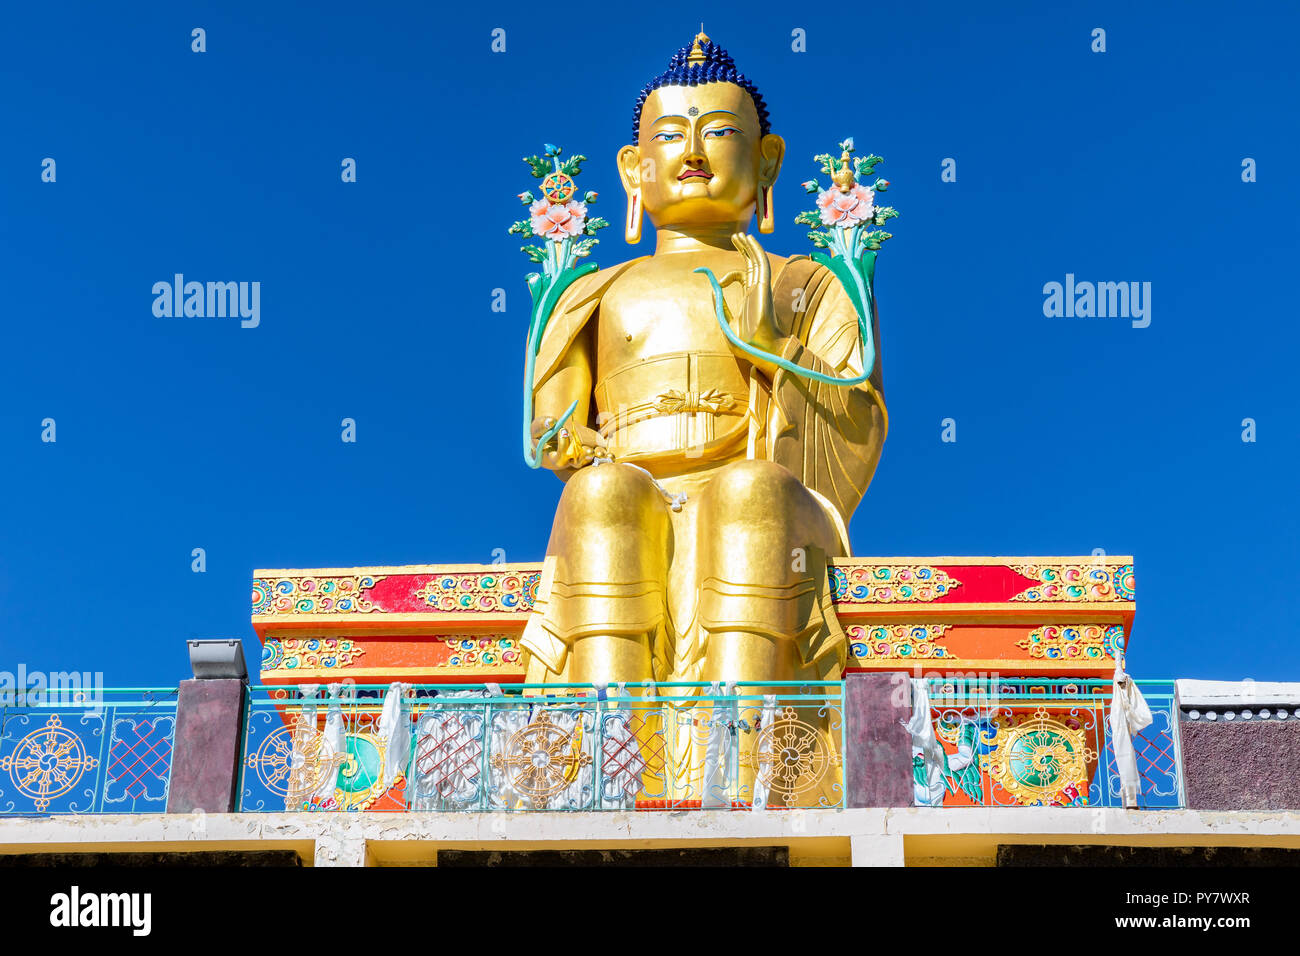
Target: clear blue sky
1073 434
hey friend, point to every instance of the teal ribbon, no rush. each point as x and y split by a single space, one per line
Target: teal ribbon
857 276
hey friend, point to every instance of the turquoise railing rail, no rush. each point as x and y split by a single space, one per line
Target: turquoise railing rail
669 746
88 750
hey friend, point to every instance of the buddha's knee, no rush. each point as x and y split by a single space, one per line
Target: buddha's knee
611 493
761 524
753 495
611 520
750 487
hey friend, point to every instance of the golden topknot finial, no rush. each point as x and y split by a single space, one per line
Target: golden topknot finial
697 54
843 176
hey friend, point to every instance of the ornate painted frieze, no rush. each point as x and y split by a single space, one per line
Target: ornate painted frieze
1076 582
889 584
480 652
858 586
481 591
896 642
322 652
1069 642
313 595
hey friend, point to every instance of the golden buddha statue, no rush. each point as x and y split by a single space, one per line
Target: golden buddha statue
706 488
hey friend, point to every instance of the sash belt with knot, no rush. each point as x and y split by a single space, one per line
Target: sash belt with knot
674 401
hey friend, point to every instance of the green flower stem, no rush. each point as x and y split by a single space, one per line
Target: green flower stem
558 275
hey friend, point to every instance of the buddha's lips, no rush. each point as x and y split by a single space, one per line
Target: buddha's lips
694 174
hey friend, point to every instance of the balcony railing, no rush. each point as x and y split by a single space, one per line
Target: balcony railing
1017 742
86 751
1007 742
546 747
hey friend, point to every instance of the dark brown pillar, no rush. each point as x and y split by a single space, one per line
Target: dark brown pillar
209 728
205 762
878 761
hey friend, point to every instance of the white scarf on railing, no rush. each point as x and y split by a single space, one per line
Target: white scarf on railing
928 793
1129 715
334 746
395 733
716 793
761 786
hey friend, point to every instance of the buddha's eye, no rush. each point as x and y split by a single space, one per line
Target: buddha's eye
666 137
719 132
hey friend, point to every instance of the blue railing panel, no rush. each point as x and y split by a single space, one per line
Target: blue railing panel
1044 742
101 751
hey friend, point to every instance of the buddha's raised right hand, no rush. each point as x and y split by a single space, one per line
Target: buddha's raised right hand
573 447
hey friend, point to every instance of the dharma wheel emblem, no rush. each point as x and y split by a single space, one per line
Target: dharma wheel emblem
292 762
559 187
792 757
1041 758
544 758
47 763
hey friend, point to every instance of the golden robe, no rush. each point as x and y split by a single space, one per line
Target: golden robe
829 437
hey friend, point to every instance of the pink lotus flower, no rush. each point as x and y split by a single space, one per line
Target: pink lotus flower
558 221
847 209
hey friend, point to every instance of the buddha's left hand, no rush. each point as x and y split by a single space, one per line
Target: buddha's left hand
757 324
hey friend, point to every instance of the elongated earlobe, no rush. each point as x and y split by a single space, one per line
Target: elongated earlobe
772 150
632 229
766 222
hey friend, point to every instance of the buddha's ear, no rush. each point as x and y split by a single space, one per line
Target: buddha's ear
771 153
629 171
629 168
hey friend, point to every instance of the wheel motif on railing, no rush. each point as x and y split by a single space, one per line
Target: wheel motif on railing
792 758
1042 758
543 758
47 763
292 762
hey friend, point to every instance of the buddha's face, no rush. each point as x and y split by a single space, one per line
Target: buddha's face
700 158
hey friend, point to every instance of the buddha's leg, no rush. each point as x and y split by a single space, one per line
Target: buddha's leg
763 543
611 541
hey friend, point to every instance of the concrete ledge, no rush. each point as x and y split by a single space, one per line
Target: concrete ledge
1236 693
866 836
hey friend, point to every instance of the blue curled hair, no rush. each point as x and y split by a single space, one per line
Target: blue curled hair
718 67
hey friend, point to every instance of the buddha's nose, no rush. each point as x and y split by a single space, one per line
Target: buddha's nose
695 154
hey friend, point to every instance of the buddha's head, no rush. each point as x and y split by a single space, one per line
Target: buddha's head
704 155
